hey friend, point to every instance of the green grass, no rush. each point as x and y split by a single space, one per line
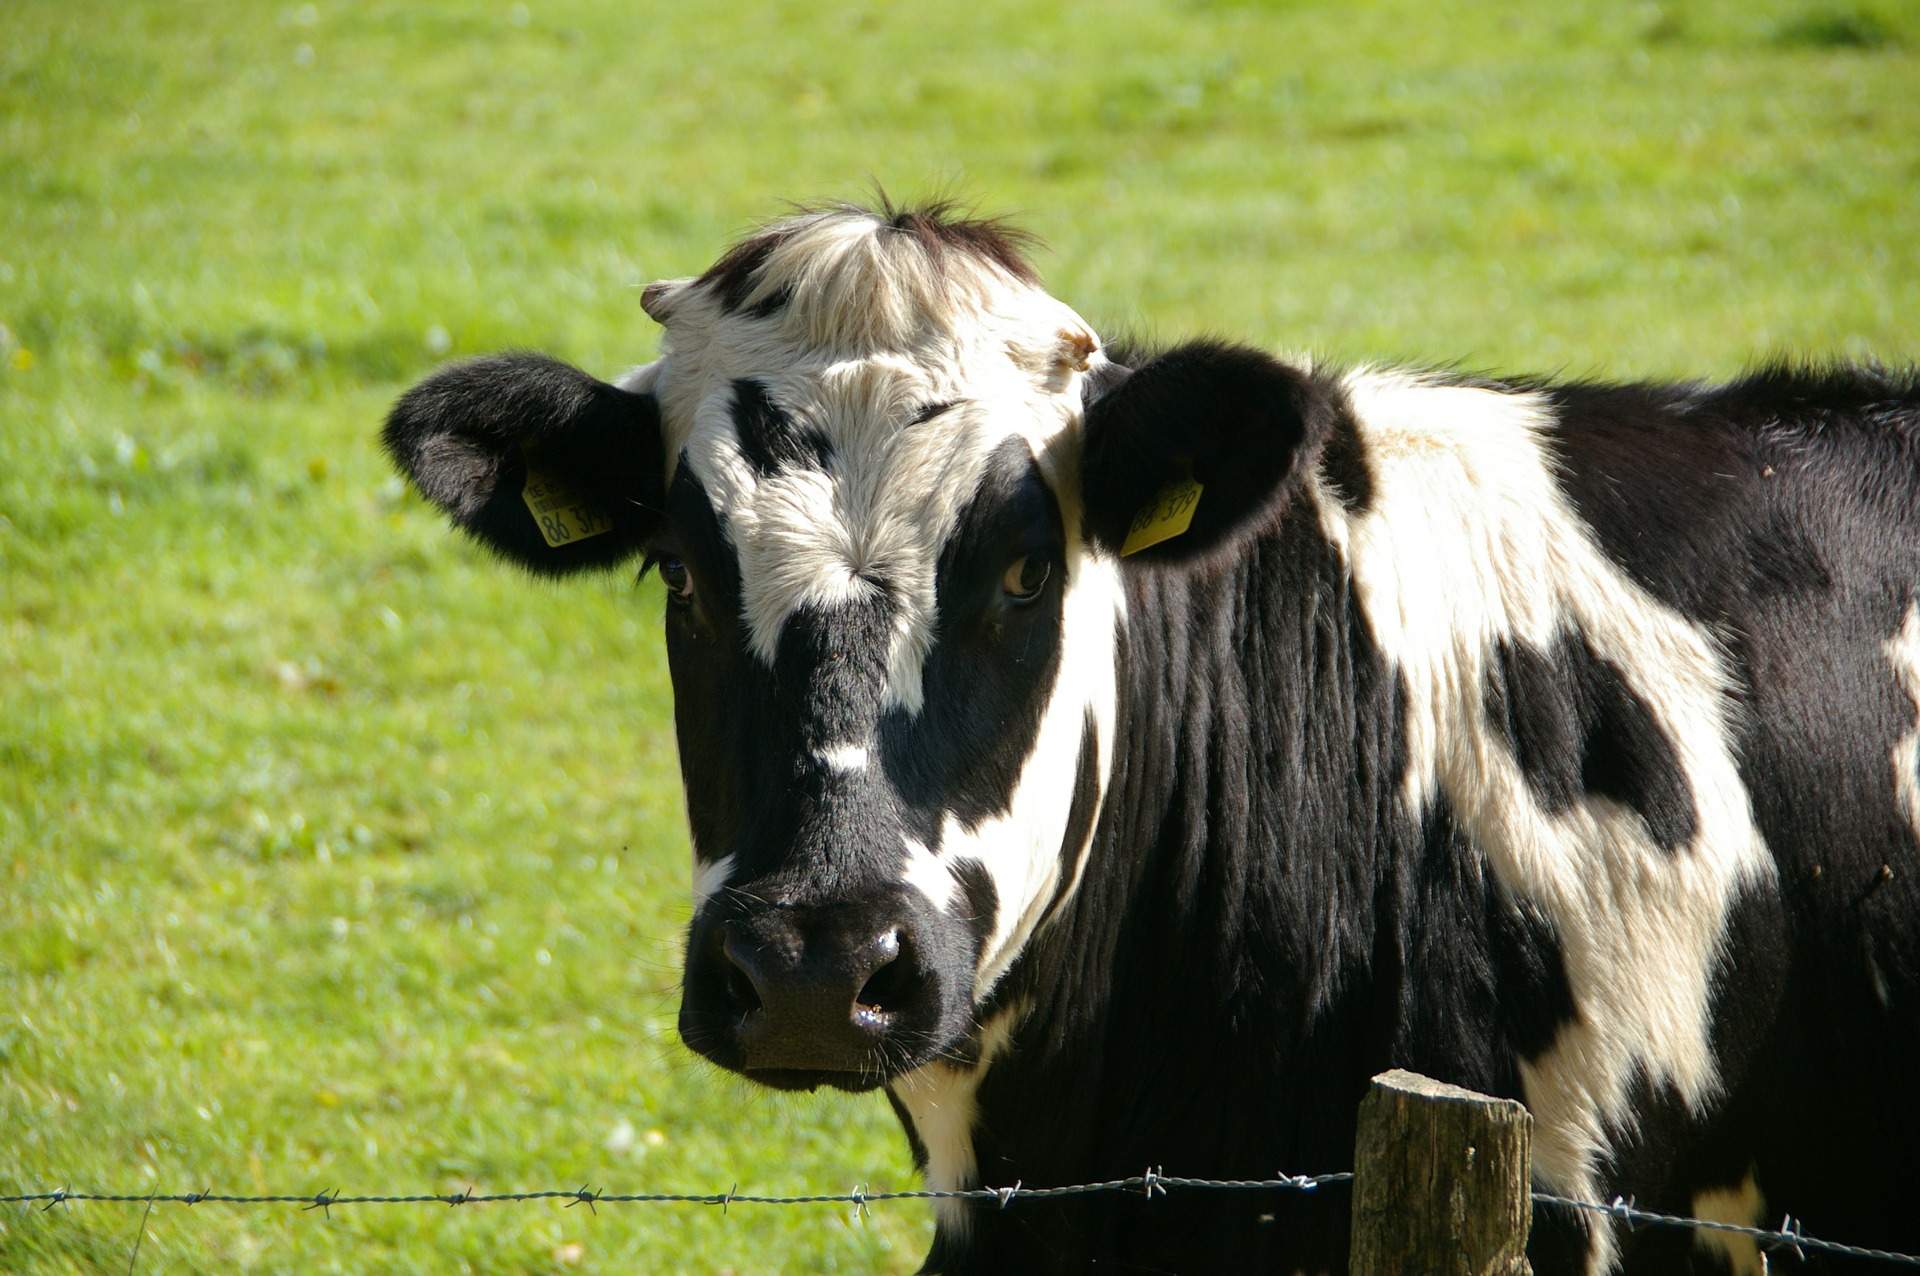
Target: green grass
333 856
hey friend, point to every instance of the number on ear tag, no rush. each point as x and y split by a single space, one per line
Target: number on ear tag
1164 517
562 516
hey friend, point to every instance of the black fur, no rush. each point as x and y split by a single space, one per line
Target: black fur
768 434
1575 727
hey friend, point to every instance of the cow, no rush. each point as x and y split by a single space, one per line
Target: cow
1119 756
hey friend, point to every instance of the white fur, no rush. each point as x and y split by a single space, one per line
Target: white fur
708 877
1743 1205
931 875
844 759
940 1102
1903 653
1469 541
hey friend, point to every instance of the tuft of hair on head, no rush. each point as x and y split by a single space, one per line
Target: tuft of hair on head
848 276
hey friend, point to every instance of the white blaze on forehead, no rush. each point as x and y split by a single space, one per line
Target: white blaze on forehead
872 521
1468 543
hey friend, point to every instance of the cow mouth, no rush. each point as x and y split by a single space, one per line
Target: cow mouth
814 1078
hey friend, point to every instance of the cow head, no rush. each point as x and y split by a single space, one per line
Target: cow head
885 480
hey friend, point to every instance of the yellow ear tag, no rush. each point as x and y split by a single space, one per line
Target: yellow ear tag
1164 517
563 517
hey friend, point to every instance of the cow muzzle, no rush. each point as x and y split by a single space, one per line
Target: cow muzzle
797 997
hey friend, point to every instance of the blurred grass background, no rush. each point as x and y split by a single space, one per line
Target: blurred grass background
333 856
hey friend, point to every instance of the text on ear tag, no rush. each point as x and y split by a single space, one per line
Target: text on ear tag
562 516
1167 515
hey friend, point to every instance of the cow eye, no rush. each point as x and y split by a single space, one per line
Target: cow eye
1026 577
675 576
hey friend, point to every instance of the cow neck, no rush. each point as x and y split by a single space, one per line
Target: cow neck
1229 902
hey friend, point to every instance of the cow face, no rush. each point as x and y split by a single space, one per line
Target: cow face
891 650
887 524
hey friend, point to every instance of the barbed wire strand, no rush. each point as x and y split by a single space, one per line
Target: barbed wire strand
1151 1184
1788 1237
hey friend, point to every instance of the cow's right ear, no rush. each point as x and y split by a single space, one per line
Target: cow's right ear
545 465
1196 448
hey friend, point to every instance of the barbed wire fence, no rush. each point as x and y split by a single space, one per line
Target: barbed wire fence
1151 1184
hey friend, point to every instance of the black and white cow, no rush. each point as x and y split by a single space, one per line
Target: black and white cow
1561 741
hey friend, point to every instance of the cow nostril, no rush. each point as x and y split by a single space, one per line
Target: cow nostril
742 997
893 985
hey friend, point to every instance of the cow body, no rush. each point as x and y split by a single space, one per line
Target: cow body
1558 741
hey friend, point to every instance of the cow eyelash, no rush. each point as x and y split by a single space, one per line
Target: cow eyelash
929 411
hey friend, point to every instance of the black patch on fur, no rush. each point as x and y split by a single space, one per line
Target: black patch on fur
769 437
943 226
732 277
982 900
831 667
468 434
1531 705
1717 499
1343 461
1575 726
1535 996
989 676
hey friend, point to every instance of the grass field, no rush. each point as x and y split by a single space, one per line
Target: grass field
333 856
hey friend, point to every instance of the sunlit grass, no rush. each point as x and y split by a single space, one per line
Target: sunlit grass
334 856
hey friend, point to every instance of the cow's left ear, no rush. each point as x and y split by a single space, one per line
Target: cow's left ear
1239 425
548 467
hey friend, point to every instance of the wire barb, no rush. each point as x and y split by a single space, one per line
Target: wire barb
1790 1228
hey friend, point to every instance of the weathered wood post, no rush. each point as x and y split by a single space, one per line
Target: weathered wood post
1441 1181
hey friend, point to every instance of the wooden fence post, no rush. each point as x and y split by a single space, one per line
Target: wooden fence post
1441 1181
